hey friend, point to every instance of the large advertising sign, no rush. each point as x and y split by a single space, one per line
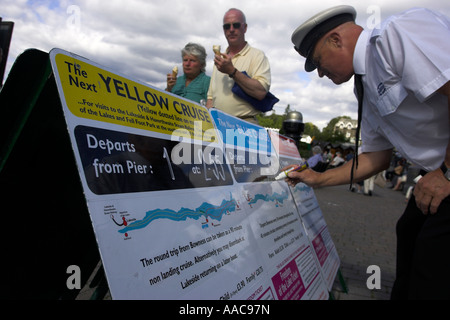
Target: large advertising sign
311 214
281 239
181 205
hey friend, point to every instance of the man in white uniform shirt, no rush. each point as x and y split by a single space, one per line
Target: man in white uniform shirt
404 66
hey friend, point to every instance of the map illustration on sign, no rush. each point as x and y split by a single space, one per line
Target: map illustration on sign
206 210
276 198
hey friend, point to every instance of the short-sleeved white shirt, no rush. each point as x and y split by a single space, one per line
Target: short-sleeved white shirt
403 63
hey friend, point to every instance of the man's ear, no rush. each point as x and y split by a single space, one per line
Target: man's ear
335 39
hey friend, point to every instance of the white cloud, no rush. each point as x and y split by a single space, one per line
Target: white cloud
143 39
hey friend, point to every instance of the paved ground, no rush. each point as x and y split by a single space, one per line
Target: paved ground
363 231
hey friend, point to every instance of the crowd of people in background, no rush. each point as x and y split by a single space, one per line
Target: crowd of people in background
398 177
323 160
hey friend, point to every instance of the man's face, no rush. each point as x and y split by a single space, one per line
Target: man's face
235 35
332 60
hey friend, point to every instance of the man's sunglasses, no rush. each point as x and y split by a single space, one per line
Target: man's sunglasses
227 26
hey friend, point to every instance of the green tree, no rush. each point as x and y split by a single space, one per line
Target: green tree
330 135
312 130
271 121
287 110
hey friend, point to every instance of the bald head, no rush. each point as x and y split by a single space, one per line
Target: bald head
237 12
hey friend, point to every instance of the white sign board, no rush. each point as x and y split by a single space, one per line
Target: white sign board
176 213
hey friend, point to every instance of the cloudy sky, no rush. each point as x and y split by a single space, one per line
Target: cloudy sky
142 39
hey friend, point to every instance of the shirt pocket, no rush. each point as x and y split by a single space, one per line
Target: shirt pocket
389 101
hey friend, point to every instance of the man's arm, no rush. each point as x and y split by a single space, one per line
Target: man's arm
250 86
368 165
434 187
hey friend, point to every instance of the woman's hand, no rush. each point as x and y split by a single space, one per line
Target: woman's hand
171 80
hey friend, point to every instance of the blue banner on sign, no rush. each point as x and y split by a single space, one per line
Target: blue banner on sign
239 133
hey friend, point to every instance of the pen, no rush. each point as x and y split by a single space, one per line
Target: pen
298 168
